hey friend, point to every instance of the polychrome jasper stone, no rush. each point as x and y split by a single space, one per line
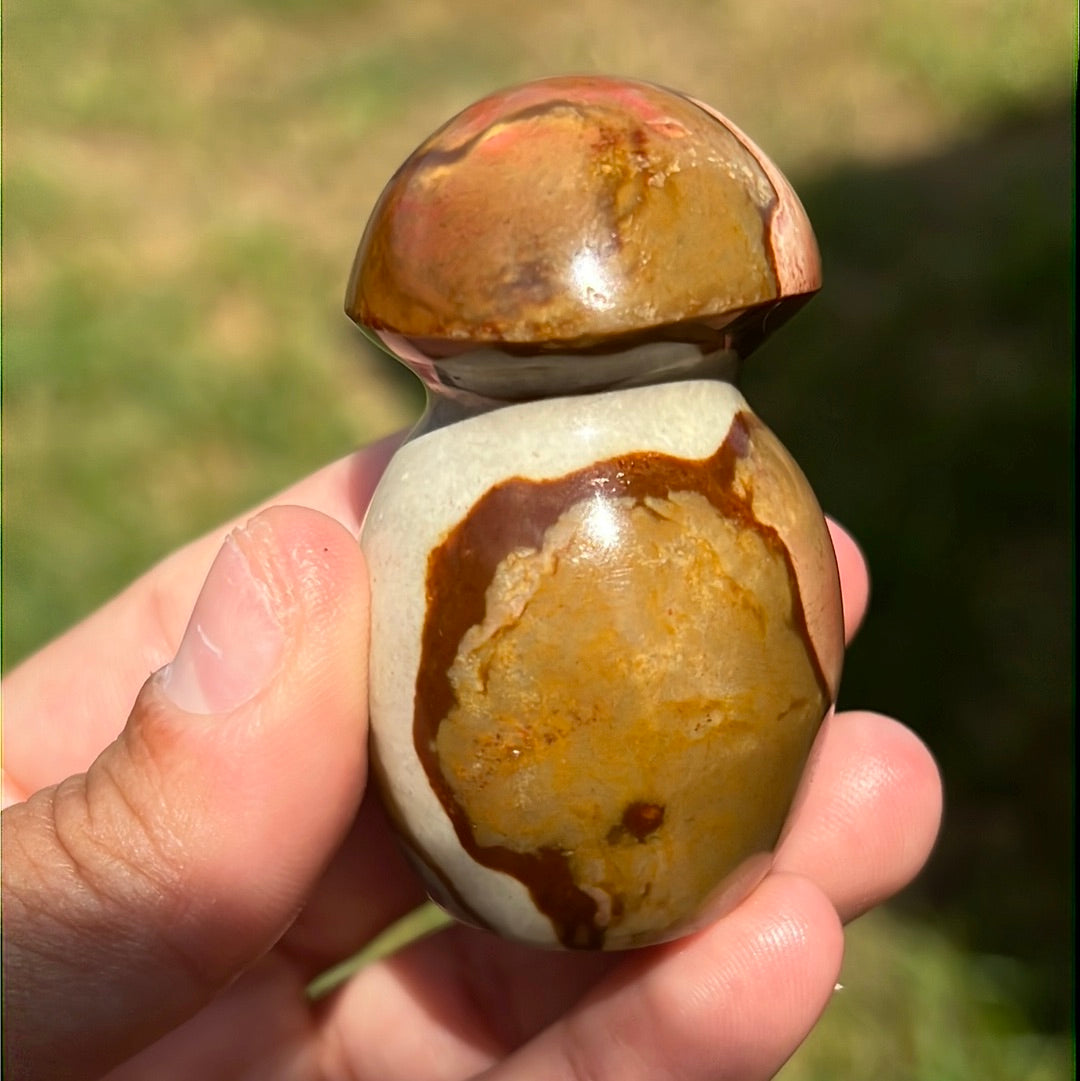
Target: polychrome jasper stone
606 619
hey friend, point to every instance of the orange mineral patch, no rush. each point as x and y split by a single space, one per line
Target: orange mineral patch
617 690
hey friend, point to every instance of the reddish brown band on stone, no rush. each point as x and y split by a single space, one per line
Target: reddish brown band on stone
626 832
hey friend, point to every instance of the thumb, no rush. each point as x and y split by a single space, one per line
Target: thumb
135 891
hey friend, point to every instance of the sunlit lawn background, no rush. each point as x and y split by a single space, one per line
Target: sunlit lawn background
184 186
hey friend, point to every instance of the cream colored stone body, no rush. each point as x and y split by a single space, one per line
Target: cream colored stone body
432 485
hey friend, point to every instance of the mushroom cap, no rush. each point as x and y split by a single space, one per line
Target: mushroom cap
567 214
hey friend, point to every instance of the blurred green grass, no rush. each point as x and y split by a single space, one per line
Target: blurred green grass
184 186
911 1005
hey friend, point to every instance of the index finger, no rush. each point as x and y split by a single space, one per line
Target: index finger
854 578
69 700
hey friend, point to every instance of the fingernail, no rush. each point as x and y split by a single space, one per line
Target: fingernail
235 637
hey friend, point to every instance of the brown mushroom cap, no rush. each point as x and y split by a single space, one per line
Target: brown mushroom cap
570 212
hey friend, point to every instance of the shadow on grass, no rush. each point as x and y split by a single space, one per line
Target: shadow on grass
928 394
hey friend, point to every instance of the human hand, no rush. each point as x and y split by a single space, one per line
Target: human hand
172 884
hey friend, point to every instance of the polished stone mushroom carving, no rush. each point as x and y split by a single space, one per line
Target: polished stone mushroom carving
606 618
